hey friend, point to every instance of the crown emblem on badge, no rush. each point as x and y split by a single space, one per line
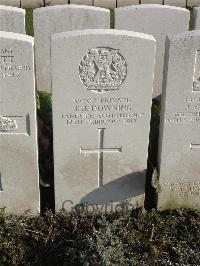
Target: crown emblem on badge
7 124
102 69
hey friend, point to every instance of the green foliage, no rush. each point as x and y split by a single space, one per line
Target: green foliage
112 19
71 238
152 182
29 22
45 137
191 17
155 181
155 110
44 104
45 141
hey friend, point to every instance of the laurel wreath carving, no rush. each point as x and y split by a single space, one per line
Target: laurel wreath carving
102 69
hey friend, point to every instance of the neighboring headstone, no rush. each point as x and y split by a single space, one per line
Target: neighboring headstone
196 18
55 2
156 20
12 19
82 2
106 3
102 87
180 3
151 2
32 3
127 2
19 182
15 3
49 20
192 3
179 148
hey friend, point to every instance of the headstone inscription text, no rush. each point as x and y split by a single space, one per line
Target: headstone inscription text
9 68
101 111
19 180
101 114
179 147
191 188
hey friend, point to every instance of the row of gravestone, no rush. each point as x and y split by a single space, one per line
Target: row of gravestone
99 3
156 20
102 84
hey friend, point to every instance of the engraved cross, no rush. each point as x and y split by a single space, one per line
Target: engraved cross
194 146
100 151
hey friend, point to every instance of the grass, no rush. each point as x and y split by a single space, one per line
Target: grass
29 22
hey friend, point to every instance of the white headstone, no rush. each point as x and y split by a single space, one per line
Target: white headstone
102 87
180 3
179 148
196 18
12 19
151 2
105 3
19 182
55 2
156 20
49 20
32 3
127 2
82 2
15 3
192 3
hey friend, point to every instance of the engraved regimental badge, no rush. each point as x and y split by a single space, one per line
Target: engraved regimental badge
7 124
102 69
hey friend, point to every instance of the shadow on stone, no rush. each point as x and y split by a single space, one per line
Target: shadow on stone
120 189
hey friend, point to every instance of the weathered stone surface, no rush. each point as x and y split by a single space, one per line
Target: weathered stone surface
15 3
82 2
156 20
49 20
32 3
179 147
180 3
56 2
192 3
19 182
127 2
12 19
105 3
102 87
152 2
196 18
